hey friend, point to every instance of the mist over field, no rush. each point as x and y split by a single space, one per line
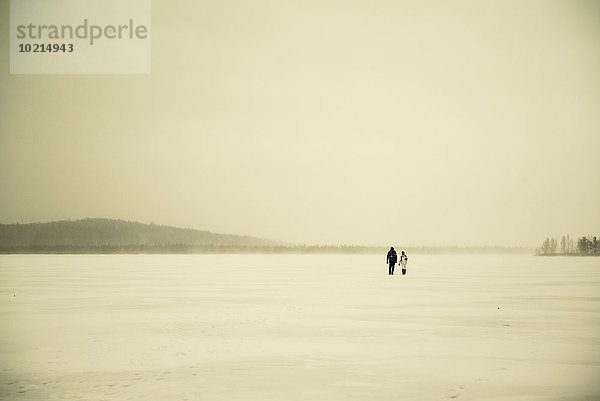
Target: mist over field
369 123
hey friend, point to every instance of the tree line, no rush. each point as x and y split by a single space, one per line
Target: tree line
182 248
105 236
585 246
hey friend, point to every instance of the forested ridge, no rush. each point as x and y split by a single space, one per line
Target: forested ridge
105 236
108 233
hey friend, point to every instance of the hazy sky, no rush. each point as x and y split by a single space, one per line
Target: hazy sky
365 122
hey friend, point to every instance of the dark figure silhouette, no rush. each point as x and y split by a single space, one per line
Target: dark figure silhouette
392 258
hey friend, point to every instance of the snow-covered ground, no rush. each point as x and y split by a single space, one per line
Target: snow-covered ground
289 327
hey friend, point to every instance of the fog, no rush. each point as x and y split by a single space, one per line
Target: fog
380 122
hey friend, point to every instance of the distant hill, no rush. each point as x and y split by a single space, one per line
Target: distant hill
119 236
115 233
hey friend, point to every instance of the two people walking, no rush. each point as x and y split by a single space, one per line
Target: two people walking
392 259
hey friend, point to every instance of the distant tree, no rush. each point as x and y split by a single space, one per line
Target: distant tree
548 247
583 245
571 245
563 245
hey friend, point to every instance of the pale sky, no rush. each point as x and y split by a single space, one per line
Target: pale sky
345 122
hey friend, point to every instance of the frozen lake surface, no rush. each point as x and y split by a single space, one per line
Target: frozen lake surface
298 327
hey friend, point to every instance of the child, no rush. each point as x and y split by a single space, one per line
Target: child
403 262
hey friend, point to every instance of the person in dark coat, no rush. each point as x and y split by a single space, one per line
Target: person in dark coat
392 258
